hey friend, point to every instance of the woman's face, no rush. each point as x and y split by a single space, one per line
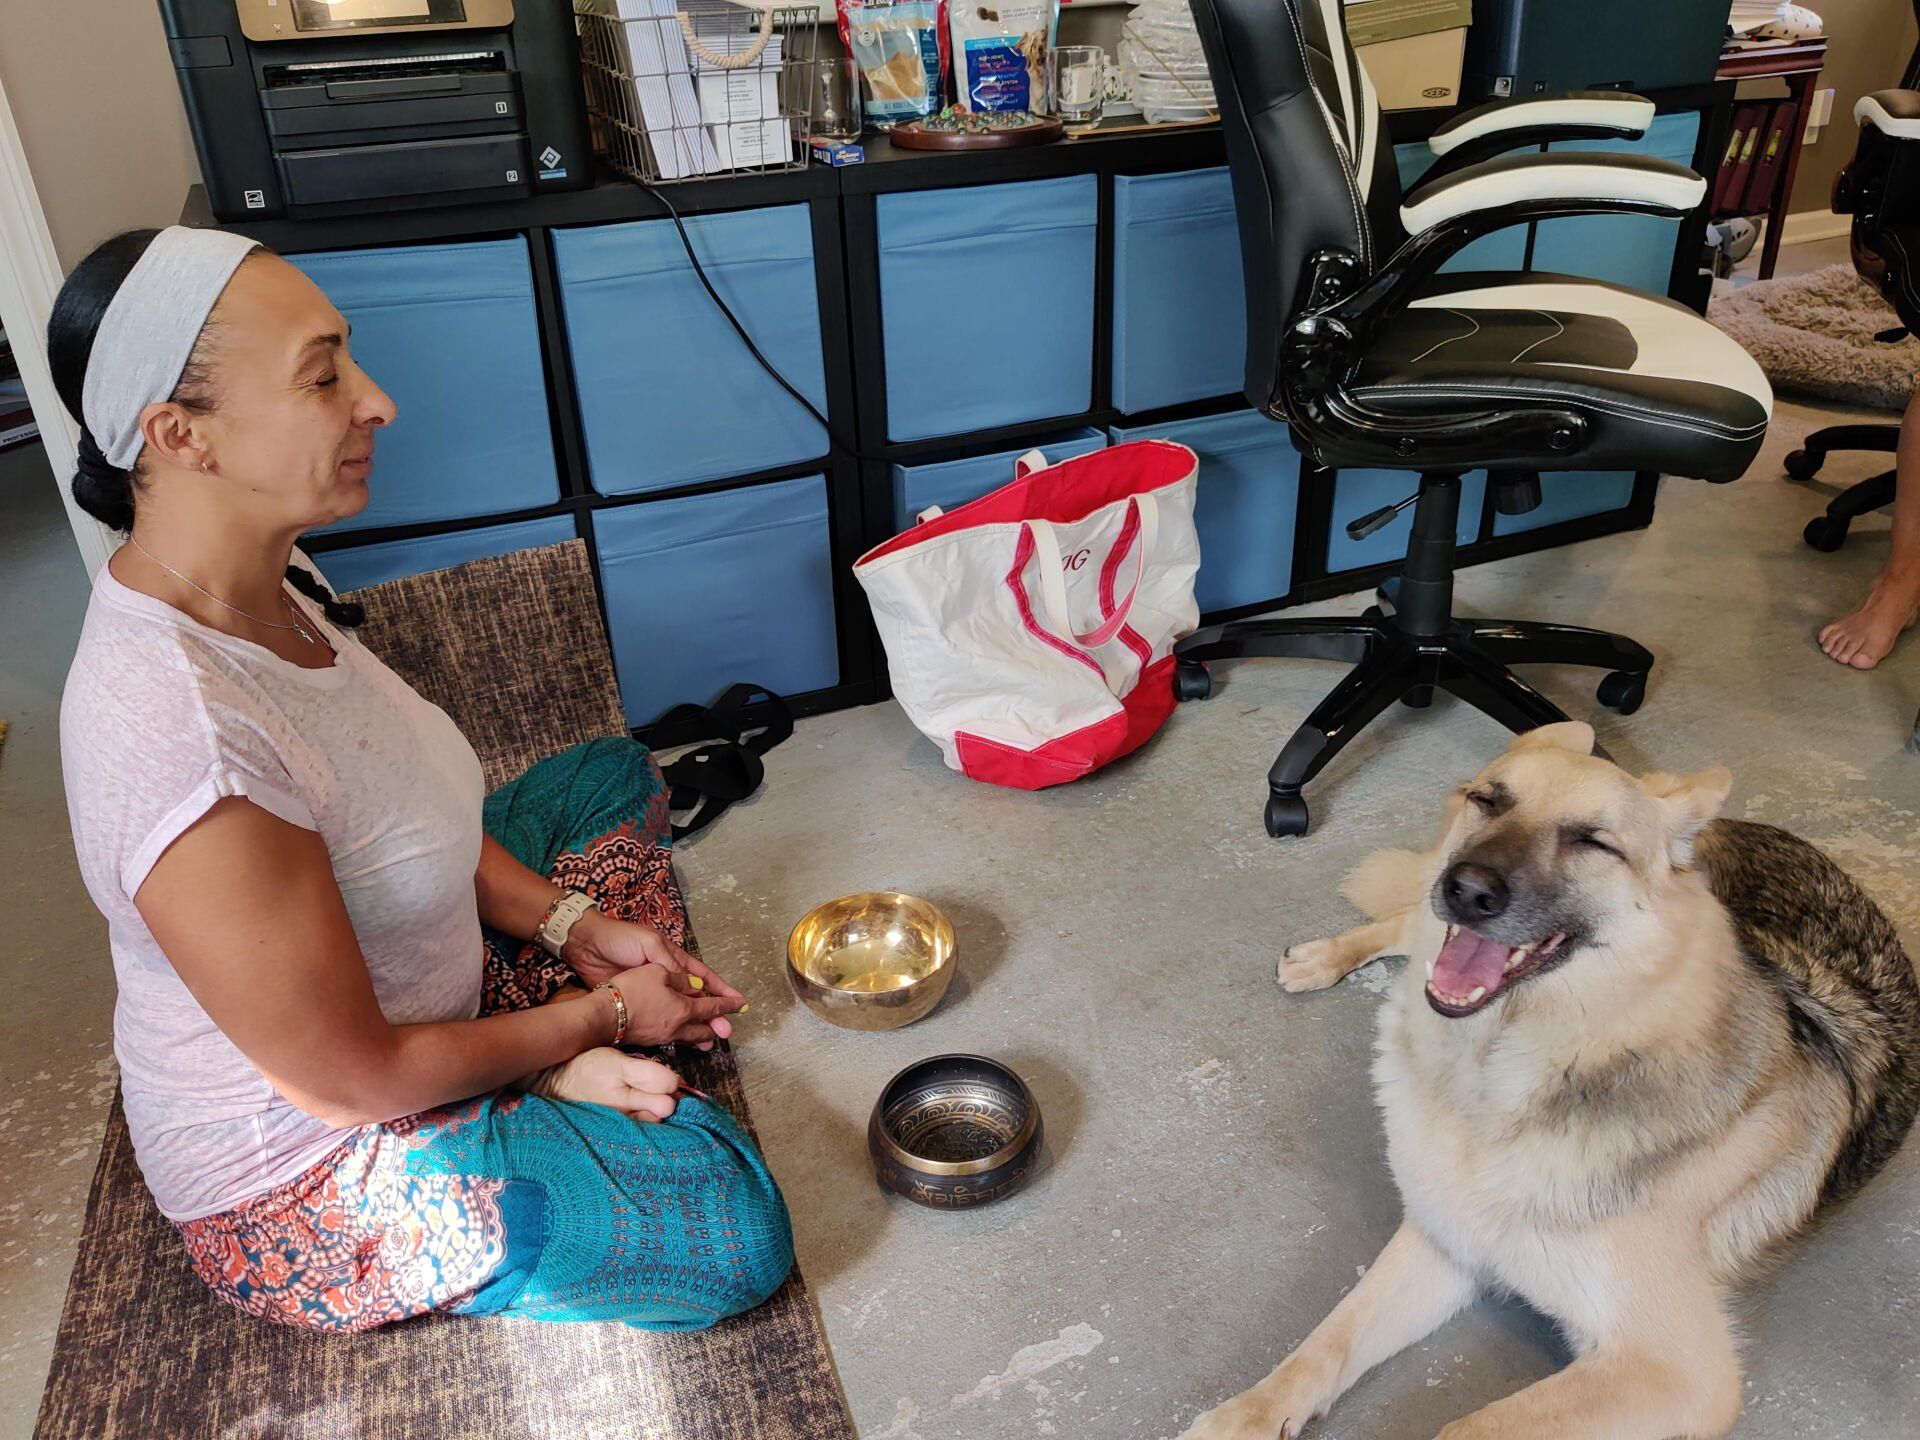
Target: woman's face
294 417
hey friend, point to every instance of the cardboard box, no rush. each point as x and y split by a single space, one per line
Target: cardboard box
1413 49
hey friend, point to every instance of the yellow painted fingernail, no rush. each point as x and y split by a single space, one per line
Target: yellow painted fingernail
696 982
743 1007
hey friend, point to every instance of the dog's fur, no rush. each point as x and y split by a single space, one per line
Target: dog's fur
1728 1040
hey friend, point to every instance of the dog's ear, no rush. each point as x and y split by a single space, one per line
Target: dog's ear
1574 735
1687 802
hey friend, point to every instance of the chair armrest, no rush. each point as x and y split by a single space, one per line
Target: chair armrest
1575 114
1489 130
1596 183
1345 306
1894 113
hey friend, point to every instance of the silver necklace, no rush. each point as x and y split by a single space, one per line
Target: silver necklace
297 627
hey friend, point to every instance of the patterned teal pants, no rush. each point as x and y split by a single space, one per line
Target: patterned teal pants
509 1203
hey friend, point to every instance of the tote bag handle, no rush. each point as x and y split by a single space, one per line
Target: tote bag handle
1145 513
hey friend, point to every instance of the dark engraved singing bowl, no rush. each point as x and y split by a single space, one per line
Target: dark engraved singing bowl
955 1132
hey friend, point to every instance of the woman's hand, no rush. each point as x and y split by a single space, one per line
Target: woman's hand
600 947
605 1076
665 1007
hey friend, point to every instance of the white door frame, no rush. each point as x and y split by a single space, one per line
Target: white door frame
29 279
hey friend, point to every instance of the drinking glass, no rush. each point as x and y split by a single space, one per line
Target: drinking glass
833 100
1076 83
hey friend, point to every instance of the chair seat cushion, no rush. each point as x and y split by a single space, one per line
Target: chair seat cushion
1661 388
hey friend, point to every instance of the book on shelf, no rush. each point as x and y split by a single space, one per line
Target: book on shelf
1770 158
1736 171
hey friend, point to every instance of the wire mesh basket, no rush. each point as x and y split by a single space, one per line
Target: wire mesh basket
683 88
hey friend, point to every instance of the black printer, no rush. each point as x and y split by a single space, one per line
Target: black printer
316 107
1526 47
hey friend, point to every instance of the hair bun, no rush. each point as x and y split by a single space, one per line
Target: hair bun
101 488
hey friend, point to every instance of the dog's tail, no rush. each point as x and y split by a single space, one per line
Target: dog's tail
1386 882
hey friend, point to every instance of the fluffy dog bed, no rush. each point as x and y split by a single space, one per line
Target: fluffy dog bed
1813 334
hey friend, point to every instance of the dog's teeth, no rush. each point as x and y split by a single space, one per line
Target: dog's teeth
1479 994
1432 961
1518 956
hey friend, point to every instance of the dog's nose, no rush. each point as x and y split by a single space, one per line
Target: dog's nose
1474 893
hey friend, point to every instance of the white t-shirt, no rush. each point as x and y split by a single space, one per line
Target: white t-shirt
161 718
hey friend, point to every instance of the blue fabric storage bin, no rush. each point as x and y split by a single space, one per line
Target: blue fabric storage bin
1359 492
951 483
668 394
365 565
1247 504
1634 250
1571 495
1502 250
709 589
1179 301
986 298
449 332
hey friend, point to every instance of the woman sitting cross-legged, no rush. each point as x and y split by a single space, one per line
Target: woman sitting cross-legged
368 1024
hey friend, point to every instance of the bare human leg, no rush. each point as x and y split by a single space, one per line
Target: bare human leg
1863 637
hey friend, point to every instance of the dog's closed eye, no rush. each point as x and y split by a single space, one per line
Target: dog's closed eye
1494 799
1588 837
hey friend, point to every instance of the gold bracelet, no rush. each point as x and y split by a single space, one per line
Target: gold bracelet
619 1011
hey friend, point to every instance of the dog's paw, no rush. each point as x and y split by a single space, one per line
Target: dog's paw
1314 965
1280 1406
1245 1417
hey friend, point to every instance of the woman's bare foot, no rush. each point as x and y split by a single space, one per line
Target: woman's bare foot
1863 638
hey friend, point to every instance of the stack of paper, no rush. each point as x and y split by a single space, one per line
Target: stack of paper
740 107
656 57
1752 14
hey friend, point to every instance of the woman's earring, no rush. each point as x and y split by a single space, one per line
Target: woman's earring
206 467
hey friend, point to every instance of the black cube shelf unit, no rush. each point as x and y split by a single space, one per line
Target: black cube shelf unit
1118 256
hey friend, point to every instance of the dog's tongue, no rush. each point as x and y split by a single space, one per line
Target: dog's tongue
1468 961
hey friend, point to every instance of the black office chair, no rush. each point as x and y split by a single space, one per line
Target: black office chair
1375 360
1880 188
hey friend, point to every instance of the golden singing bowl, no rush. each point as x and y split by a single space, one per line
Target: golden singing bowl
874 961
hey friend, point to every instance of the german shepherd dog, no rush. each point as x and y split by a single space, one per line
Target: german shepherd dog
1634 1051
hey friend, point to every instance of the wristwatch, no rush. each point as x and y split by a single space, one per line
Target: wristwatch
559 921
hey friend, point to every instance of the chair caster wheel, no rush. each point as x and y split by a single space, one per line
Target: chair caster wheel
1286 815
1623 690
1191 681
1373 612
1804 464
1825 534
1418 698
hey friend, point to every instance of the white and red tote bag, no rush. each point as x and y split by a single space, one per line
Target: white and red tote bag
1030 633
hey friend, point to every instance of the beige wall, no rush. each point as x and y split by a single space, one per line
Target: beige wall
99 114
1868 45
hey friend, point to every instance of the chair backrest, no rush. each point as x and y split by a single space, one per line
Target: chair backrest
1880 188
512 648
1311 163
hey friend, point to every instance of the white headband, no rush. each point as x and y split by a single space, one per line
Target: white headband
150 329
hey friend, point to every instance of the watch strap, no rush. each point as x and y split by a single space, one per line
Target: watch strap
559 921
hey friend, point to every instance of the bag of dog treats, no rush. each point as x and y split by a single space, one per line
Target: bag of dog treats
1000 53
902 52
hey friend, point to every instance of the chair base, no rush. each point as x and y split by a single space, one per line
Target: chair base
1828 532
1469 661
1404 650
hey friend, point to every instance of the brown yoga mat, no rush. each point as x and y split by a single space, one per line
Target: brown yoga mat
144 1352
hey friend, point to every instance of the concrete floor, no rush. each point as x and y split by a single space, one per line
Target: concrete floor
1216 1180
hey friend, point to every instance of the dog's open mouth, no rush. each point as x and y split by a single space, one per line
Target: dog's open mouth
1471 970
